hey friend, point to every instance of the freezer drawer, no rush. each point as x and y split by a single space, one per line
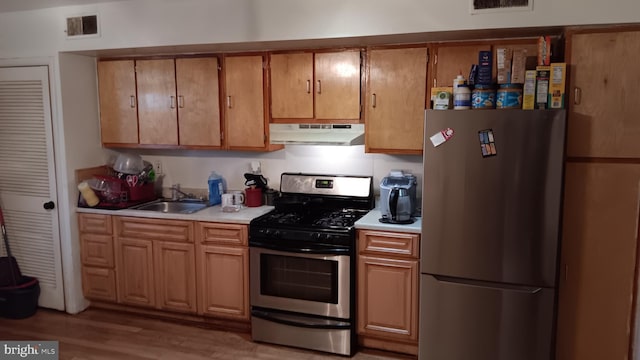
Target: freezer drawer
461 320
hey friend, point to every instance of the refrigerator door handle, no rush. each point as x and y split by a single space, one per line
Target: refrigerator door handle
487 284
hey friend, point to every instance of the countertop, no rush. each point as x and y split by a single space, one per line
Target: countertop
371 222
246 214
212 214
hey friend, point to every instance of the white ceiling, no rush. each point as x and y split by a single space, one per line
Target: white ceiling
24 5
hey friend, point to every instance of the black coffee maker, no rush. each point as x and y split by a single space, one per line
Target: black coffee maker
398 198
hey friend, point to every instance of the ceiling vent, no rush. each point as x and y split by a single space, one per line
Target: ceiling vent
82 25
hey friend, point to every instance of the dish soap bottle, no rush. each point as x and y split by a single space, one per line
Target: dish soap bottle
216 188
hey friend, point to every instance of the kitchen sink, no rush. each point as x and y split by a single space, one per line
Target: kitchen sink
187 206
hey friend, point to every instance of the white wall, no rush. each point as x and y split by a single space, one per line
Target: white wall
147 23
191 169
155 23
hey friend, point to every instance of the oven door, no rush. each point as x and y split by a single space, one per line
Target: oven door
303 282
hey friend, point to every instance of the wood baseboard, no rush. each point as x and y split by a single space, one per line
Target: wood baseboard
389 345
190 319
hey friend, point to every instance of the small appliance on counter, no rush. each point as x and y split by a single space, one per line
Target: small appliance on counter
256 187
398 203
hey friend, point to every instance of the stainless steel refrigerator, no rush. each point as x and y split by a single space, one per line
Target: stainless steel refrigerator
490 234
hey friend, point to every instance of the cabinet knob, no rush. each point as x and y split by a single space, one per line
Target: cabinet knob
132 101
308 86
373 100
172 102
50 205
229 101
319 87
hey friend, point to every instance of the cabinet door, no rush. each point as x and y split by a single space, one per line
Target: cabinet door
157 107
604 92
135 272
198 101
292 85
396 100
337 85
388 298
97 250
175 273
245 124
99 283
223 279
118 112
95 223
599 247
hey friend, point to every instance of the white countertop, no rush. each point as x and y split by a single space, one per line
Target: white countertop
212 214
246 214
371 222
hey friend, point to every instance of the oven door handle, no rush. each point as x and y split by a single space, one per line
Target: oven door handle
306 322
301 250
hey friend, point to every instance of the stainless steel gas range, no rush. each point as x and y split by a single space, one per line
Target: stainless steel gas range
302 262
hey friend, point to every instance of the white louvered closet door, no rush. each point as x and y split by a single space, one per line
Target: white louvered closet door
27 178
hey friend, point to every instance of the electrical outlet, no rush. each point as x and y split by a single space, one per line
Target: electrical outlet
157 167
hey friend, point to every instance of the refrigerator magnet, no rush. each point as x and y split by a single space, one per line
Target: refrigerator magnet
487 143
441 137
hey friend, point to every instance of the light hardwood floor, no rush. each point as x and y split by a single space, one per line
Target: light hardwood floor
103 334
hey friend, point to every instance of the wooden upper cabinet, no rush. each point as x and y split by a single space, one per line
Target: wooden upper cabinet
177 103
245 121
320 86
292 85
395 101
337 90
118 111
597 287
451 60
157 103
603 95
198 102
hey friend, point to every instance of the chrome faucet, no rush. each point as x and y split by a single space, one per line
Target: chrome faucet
176 192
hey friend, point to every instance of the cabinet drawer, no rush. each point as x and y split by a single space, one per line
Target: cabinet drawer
99 283
95 223
97 250
230 234
154 229
389 243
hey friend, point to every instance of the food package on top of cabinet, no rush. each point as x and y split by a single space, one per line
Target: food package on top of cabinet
442 97
557 79
529 90
544 50
485 66
518 66
503 65
542 86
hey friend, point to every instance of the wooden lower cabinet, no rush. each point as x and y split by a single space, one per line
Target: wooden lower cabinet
175 272
387 290
223 286
597 287
135 272
223 270
156 263
97 257
99 283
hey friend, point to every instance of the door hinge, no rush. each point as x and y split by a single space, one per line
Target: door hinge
221 135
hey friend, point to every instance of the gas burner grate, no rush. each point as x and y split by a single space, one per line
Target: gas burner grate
339 218
285 218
